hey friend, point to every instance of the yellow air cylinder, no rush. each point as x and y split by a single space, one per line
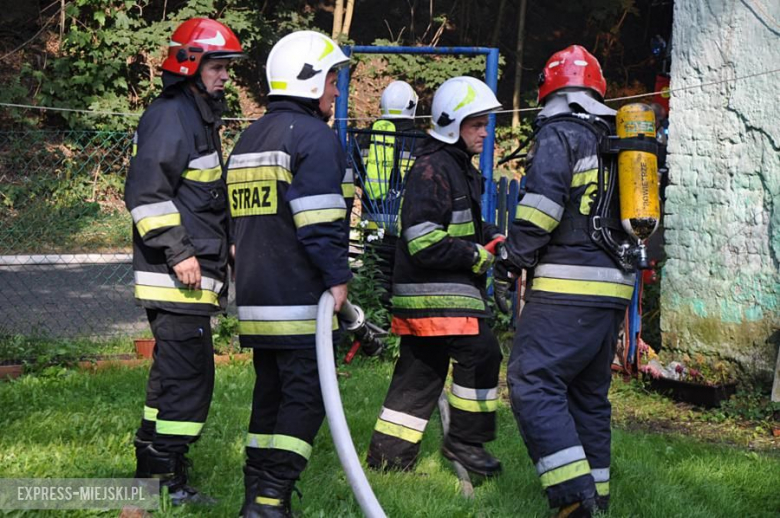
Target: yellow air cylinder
640 207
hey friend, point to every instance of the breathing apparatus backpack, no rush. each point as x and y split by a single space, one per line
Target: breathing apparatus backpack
628 172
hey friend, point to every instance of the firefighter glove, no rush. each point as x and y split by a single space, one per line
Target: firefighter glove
503 279
483 260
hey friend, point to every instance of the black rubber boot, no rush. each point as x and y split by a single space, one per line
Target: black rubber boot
171 469
602 503
142 458
473 457
584 509
269 497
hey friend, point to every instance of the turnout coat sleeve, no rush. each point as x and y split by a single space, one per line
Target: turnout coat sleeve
155 171
318 205
425 215
539 212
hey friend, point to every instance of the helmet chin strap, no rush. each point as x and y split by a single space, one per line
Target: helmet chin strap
217 96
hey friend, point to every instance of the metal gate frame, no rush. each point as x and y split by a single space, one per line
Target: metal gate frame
491 78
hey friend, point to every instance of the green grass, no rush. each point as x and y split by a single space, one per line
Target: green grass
36 352
79 425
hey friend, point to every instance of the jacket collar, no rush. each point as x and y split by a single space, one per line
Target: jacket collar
209 111
291 104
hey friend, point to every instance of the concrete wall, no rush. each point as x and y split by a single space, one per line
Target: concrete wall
721 284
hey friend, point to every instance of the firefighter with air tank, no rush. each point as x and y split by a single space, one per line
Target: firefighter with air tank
591 199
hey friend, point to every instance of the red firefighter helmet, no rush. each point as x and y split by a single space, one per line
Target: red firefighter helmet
572 66
196 39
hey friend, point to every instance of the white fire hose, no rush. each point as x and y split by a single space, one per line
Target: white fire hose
353 317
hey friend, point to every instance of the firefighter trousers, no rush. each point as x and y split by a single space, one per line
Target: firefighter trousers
181 381
287 412
414 391
558 376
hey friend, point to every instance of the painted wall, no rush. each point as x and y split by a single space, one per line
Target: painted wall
721 284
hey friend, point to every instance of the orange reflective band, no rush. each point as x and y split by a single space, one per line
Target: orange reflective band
435 326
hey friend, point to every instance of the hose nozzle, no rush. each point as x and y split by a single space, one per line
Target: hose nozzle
368 334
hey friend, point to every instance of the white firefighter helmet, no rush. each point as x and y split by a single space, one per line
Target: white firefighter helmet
399 101
299 62
455 100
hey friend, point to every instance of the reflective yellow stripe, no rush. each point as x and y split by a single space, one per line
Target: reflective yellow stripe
292 444
602 488
203 175
348 190
471 94
280 327
327 50
461 229
423 242
253 174
176 295
279 442
470 405
155 222
438 302
601 289
584 178
150 414
312 217
396 430
537 217
258 440
268 501
564 473
279 85
178 428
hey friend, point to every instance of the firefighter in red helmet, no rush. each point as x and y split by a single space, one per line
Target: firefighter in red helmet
559 369
176 196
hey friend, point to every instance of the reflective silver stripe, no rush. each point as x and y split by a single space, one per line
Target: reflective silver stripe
436 288
461 216
600 475
558 459
265 158
316 202
277 313
153 209
409 421
205 162
163 280
586 164
426 227
544 204
474 394
349 176
584 273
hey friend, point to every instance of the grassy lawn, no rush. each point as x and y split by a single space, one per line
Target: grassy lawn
73 424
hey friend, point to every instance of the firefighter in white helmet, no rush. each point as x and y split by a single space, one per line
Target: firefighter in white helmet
439 293
286 184
387 156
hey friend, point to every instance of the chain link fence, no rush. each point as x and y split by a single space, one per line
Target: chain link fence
65 235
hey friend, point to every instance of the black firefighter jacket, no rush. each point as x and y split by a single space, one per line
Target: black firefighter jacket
547 232
287 179
441 224
176 196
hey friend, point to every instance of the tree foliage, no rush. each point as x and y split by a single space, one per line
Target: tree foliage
107 55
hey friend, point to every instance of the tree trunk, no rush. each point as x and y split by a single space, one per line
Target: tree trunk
499 23
348 18
338 18
519 63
